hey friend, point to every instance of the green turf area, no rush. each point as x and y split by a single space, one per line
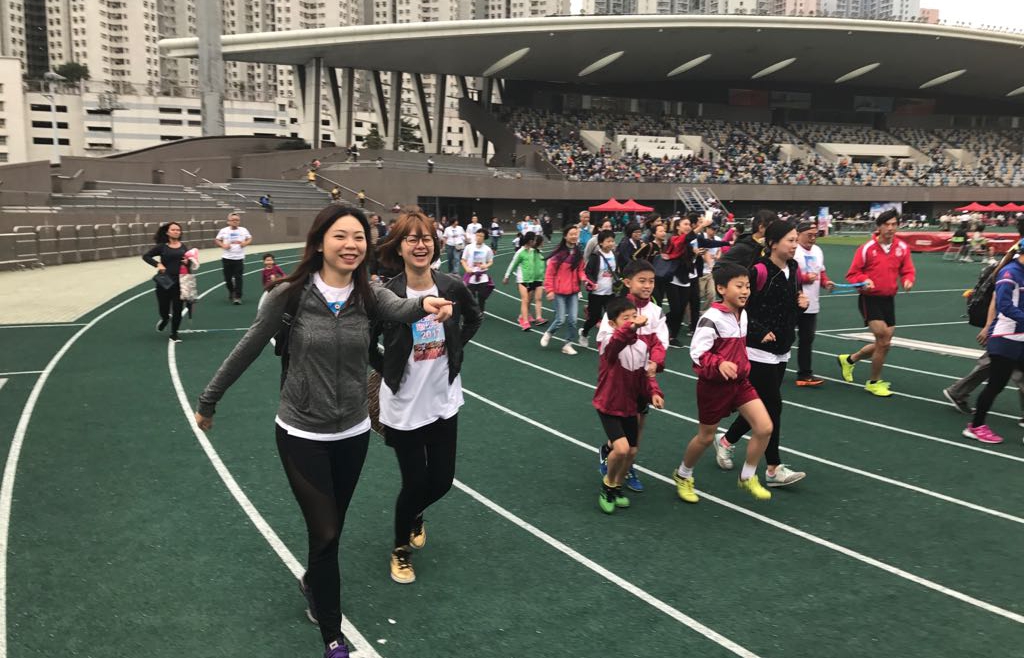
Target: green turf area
124 540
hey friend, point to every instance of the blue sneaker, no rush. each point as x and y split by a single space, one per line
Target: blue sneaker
633 483
337 649
603 464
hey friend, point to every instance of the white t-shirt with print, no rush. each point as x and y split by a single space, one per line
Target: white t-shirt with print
811 261
605 277
471 230
230 235
424 394
478 255
455 236
336 299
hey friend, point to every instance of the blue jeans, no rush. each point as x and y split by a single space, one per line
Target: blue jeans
453 256
565 313
494 243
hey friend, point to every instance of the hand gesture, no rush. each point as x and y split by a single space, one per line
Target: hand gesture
160 267
550 296
440 307
652 368
639 321
728 369
658 402
908 285
868 284
802 301
982 337
811 277
203 422
830 286
769 337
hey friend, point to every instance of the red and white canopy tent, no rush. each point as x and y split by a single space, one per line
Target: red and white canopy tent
611 205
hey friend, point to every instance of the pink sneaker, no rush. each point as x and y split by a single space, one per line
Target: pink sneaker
524 324
982 433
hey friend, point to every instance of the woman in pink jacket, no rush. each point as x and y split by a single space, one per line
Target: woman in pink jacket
562 280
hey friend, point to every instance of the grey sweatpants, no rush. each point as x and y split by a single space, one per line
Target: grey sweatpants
962 388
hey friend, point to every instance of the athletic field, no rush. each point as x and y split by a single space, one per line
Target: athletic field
131 533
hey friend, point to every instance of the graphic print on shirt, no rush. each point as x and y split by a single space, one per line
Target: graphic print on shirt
428 339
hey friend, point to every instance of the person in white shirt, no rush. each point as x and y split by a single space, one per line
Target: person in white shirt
233 239
711 256
421 388
603 271
471 228
477 259
810 263
454 243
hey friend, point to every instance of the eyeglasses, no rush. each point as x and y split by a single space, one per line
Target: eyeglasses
413 240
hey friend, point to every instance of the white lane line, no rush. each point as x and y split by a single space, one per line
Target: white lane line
40 326
955 444
610 576
21 372
271 537
898 326
860 557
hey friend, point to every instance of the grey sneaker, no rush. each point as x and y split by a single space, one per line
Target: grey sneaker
723 453
961 405
784 476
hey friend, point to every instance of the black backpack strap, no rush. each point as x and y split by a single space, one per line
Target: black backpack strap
283 339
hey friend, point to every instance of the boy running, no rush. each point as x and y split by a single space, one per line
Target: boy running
623 388
880 265
638 278
719 353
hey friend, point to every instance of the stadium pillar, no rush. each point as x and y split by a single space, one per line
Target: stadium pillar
310 79
380 104
342 83
464 89
440 98
395 112
423 113
211 67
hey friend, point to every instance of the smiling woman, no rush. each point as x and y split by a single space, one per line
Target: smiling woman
322 425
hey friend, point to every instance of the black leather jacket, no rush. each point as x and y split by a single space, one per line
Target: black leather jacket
464 323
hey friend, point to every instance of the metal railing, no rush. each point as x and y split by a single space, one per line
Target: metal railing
349 189
220 186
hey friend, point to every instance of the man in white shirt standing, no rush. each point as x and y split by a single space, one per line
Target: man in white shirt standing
471 229
454 242
233 239
810 263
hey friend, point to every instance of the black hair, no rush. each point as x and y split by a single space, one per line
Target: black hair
891 213
604 235
527 239
631 228
727 271
694 217
563 252
268 255
160 237
1020 225
480 230
763 218
776 231
617 306
636 267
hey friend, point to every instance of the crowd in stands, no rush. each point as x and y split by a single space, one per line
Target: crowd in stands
750 153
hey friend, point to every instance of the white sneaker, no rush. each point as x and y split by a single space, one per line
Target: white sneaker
783 476
723 454
567 349
583 340
545 338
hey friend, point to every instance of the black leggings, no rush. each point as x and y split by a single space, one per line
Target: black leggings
168 302
426 459
678 298
323 477
694 304
233 270
999 374
595 311
766 378
807 324
659 290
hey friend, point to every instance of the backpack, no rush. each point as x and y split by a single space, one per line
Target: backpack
283 336
980 297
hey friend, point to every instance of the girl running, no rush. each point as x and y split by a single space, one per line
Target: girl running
775 303
562 279
421 391
322 425
171 251
528 265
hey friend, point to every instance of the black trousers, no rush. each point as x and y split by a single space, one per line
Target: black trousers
806 325
595 311
233 270
426 459
168 302
766 378
999 374
323 477
694 302
678 298
659 290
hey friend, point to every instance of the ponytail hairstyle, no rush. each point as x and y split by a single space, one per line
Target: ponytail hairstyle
313 258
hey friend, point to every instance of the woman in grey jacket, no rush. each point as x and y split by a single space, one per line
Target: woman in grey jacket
322 423
421 391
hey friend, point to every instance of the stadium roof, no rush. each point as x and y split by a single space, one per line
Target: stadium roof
602 50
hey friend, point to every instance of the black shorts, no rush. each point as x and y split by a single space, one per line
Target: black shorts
533 285
643 406
874 307
616 427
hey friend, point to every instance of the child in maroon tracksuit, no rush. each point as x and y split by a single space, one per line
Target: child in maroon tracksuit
719 354
623 388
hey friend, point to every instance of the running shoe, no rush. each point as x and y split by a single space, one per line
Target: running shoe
809 380
603 463
879 388
961 405
620 498
524 324
308 595
847 366
684 488
161 323
723 453
606 501
539 322
583 340
401 566
673 342
337 649
783 476
567 348
753 486
418 537
633 483
982 433
174 338
237 301
545 339
1020 423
